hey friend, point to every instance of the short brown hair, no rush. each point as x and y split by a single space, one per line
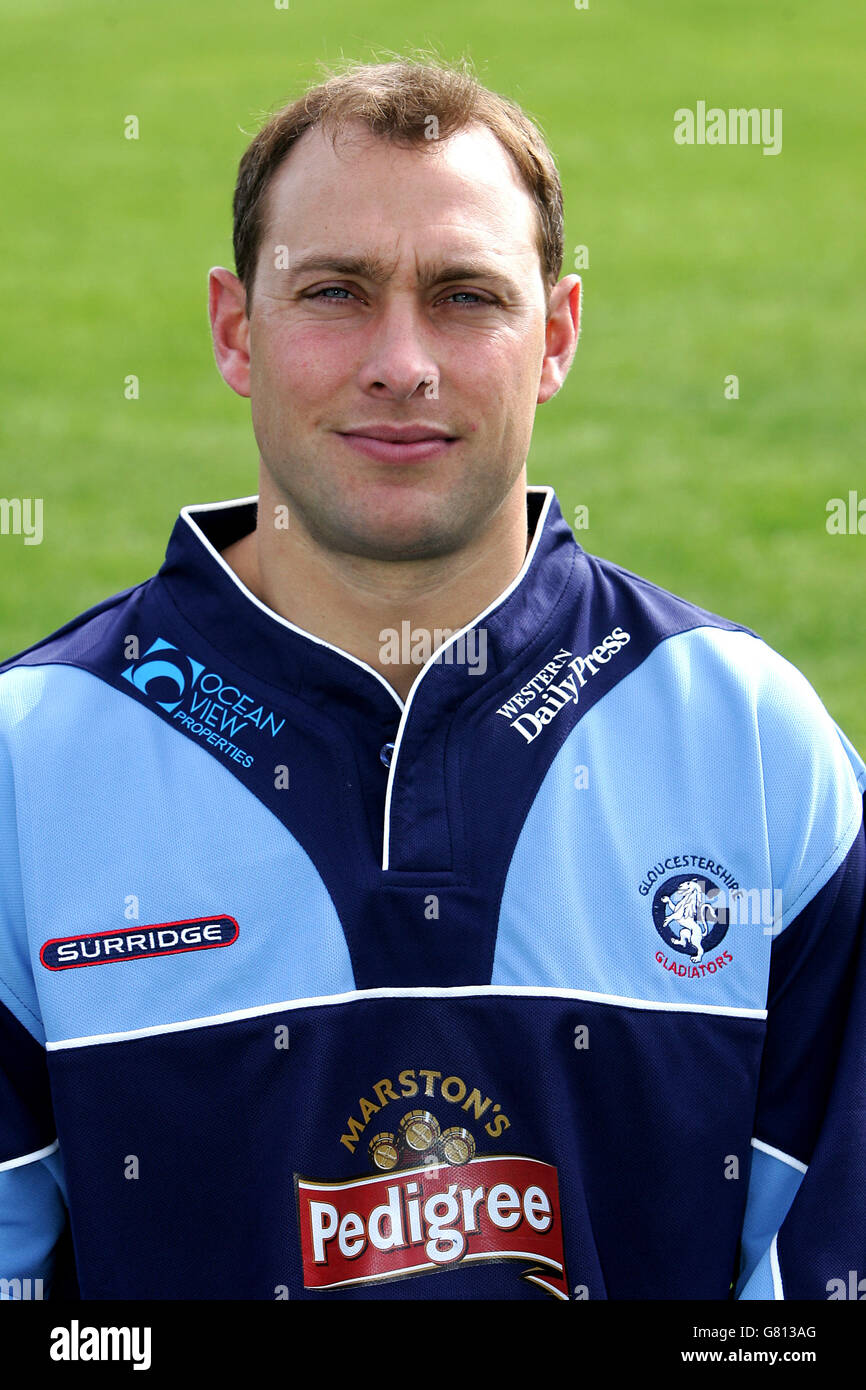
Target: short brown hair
398 100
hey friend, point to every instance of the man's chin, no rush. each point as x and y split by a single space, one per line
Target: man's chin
389 529
393 544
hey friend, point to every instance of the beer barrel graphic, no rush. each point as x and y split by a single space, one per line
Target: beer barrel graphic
457 1145
420 1130
384 1151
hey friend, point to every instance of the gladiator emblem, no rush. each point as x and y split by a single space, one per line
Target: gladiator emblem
694 915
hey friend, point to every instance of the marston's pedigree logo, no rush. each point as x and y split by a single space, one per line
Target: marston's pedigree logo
435 1206
173 680
136 943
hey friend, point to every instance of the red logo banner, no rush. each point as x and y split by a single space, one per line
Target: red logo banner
433 1217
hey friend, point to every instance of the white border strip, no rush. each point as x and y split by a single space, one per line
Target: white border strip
782 1157
30 1158
431 1268
543 1284
248 593
436 656
778 1291
410 992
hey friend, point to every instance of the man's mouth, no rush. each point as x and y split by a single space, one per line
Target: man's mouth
398 443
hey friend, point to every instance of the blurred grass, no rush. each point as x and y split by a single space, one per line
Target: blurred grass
703 261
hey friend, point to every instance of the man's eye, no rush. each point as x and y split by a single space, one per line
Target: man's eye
470 297
329 290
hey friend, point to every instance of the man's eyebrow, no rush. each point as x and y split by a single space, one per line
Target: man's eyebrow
378 271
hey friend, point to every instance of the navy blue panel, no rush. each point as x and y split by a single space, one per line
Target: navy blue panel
64 1280
26 1120
222 1122
812 978
824 1237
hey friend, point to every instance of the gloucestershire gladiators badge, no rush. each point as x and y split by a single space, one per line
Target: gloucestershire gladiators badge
690 914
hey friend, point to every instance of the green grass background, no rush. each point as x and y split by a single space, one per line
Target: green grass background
702 262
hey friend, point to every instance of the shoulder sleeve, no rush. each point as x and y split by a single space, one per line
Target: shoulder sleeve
804 1231
33 1217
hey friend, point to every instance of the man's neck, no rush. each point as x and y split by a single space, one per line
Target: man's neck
355 603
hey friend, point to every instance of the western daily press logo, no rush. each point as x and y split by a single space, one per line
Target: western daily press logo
553 695
201 700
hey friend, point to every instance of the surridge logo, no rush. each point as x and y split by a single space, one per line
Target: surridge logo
138 943
434 1204
200 699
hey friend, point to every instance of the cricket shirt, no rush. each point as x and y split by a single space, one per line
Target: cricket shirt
544 982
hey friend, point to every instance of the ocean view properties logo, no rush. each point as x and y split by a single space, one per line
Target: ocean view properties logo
201 700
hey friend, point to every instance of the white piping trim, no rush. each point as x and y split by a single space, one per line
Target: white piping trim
430 1268
778 1291
782 1157
30 1158
248 593
409 992
543 1284
518 579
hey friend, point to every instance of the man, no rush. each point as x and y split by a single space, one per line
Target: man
390 887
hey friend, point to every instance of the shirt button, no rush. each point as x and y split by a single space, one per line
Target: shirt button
385 753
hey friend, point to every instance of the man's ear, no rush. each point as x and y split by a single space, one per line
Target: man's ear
230 328
561 333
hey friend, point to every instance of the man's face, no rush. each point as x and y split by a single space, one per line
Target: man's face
412 303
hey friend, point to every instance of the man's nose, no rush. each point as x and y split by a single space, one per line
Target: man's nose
399 360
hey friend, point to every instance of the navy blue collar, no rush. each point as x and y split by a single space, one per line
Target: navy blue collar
211 597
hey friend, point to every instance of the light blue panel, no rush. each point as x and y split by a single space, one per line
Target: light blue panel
680 758
17 990
32 1217
814 782
141 811
773 1185
760 1286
